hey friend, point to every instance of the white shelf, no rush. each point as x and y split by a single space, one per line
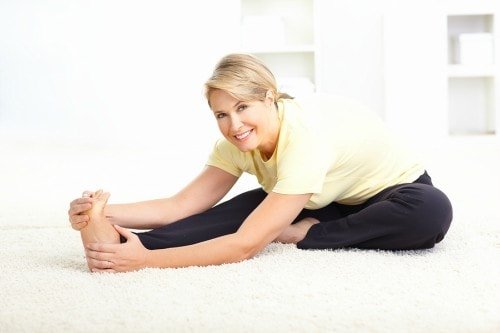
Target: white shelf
464 71
282 33
472 93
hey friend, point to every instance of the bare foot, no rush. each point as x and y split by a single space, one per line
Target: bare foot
294 233
99 230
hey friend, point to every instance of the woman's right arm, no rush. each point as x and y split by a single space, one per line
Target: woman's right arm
210 186
199 195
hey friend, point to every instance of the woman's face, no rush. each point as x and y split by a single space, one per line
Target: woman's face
247 125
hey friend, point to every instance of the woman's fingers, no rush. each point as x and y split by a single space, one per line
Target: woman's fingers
99 256
76 212
87 194
101 265
80 205
101 262
79 226
80 218
96 270
80 201
79 222
77 209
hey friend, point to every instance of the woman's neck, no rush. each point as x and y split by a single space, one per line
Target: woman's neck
268 148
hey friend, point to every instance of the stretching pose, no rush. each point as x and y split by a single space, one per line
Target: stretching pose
332 176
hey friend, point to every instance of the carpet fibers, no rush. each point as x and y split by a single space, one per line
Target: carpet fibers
45 286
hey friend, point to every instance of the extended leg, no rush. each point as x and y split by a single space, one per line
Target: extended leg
220 220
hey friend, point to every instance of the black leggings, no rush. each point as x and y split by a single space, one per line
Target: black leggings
402 217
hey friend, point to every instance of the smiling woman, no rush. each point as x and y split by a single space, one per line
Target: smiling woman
247 125
331 176
246 113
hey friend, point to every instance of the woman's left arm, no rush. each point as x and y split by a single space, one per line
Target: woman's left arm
260 228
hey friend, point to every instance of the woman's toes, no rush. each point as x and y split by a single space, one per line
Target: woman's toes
101 198
104 197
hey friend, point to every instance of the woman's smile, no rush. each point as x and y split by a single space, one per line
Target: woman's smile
248 125
243 136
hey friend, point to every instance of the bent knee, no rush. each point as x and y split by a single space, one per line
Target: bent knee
431 212
438 208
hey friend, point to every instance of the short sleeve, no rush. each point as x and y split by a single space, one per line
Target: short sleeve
301 166
225 156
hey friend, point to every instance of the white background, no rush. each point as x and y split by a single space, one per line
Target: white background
109 80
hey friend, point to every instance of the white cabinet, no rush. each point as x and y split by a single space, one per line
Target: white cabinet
415 71
283 34
437 62
441 68
473 81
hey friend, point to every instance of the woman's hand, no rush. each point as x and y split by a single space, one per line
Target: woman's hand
125 257
77 209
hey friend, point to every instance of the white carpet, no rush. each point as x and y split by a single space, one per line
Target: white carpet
45 286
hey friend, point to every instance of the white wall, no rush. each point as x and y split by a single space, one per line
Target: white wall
134 69
391 56
129 72
351 49
110 69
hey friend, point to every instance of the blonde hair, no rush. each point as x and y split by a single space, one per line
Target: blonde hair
244 77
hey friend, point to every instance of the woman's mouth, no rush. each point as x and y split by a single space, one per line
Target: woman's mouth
243 135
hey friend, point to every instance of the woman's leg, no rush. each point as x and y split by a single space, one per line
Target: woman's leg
297 231
220 220
406 216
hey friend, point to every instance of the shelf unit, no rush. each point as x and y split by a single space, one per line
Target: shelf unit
463 71
283 34
473 84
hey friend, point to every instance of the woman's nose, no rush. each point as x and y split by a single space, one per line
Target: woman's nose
236 123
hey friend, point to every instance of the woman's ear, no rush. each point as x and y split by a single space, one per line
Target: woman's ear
269 97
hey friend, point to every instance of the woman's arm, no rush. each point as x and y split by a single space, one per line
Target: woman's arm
199 195
210 186
260 228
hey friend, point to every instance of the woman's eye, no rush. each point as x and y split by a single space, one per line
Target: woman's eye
220 115
242 107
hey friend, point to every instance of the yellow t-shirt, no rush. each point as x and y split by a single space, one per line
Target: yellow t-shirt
328 145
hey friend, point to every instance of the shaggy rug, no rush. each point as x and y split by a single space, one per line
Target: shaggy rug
45 286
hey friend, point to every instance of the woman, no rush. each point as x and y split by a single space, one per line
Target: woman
332 176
